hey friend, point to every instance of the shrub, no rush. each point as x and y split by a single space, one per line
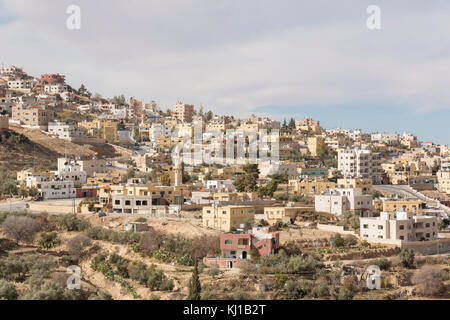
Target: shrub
429 280
101 295
294 291
77 244
337 241
407 258
345 294
138 272
8 291
20 228
157 280
382 263
141 219
49 240
213 271
71 222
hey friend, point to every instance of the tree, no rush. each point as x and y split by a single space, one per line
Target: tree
291 125
195 288
429 280
77 244
152 240
165 179
443 224
8 291
20 228
407 258
49 240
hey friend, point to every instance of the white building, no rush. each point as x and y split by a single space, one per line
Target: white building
61 130
220 185
160 130
20 84
55 88
72 171
396 227
388 138
338 201
356 163
56 189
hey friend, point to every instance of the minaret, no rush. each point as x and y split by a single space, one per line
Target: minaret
178 175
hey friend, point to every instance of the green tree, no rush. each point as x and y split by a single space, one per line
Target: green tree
8 291
165 179
407 258
195 288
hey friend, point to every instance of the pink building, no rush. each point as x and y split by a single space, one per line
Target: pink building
236 247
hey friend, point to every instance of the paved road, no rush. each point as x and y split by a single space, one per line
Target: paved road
13 206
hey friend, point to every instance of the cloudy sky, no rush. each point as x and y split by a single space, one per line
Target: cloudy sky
284 58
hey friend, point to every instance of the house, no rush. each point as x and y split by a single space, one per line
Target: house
236 247
338 201
357 163
61 130
397 227
227 218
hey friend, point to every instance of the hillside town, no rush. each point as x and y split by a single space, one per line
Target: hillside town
142 196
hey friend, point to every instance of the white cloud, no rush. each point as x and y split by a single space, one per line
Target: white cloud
234 56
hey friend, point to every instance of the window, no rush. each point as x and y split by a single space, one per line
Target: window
228 242
380 227
402 238
402 227
117 202
127 202
427 225
366 226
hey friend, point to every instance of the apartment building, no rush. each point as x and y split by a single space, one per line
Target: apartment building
408 205
364 183
357 163
183 112
310 187
20 84
134 204
52 79
55 189
227 218
34 116
398 227
61 130
338 201
387 138
89 166
443 177
159 130
55 88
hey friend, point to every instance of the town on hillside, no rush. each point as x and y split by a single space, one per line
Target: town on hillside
143 201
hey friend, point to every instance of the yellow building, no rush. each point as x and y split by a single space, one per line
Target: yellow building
227 218
353 183
273 215
406 205
310 187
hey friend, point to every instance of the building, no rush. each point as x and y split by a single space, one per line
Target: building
274 215
396 227
55 189
227 218
52 79
409 205
339 201
90 166
55 88
236 247
134 204
443 177
356 163
183 112
61 130
310 187
34 116
364 183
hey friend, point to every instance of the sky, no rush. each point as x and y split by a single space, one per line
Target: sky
284 58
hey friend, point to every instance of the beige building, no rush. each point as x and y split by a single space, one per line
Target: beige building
408 205
310 187
227 218
338 201
357 163
364 183
183 112
35 116
443 177
273 215
396 227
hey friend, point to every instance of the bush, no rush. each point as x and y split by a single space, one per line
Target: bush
101 295
20 228
213 271
407 258
49 240
77 244
429 280
141 219
8 291
157 280
294 291
138 272
383 264
345 294
71 222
